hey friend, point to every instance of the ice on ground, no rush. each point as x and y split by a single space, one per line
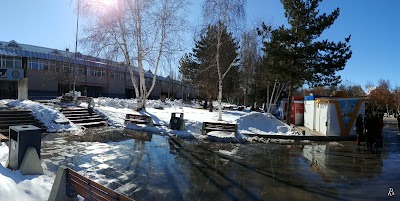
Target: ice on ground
229 153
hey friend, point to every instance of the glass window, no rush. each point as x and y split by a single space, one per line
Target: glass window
98 73
2 62
33 64
80 70
46 65
9 62
17 63
91 72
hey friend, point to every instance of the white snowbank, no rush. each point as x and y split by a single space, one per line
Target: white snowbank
45 114
115 111
14 186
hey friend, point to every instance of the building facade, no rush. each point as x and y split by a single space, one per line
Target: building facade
52 72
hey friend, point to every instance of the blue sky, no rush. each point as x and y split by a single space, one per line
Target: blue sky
374 26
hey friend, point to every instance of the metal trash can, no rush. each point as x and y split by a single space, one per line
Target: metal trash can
177 123
22 137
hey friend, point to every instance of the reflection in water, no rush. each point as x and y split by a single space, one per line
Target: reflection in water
153 167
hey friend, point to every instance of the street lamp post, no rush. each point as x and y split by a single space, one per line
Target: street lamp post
76 49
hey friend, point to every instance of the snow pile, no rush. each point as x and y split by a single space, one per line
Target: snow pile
229 153
46 115
14 186
116 109
132 103
261 123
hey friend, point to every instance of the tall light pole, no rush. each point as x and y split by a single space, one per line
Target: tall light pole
76 49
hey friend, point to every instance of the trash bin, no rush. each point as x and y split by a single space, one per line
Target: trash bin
177 123
22 137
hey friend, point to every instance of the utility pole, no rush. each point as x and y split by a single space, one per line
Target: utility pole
76 49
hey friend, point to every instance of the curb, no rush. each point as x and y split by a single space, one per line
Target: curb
309 138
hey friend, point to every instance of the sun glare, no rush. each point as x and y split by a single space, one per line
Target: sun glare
106 2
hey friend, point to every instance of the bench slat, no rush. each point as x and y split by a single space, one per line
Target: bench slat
87 181
81 185
217 126
85 191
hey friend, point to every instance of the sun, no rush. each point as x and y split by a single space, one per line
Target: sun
106 2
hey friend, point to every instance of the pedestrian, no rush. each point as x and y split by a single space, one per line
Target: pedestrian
398 121
380 123
370 130
360 129
91 105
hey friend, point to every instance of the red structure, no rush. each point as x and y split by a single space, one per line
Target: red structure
297 113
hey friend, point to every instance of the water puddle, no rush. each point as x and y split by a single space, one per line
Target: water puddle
146 166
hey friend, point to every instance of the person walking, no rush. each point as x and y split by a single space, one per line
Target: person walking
380 125
360 129
398 121
91 105
370 128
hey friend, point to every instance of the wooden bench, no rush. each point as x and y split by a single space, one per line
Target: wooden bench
68 184
227 107
138 119
214 126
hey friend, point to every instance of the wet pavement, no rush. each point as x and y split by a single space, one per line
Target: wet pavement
153 167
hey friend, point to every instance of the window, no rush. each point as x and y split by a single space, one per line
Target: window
46 66
80 70
33 64
2 62
91 72
10 62
17 63
98 73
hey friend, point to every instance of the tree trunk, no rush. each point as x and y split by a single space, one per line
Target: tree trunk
266 98
211 106
220 100
219 75
289 109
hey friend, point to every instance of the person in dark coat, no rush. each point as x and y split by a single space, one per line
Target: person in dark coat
360 129
398 121
371 129
380 125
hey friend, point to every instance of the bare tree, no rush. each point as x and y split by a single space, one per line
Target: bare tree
142 33
249 58
222 13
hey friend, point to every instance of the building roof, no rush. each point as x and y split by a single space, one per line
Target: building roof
13 48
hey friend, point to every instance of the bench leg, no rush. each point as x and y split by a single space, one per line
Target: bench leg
59 188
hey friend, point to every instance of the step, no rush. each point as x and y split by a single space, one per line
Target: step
15 115
73 109
92 124
78 115
75 112
25 117
6 126
87 120
83 117
6 131
15 111
22 121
